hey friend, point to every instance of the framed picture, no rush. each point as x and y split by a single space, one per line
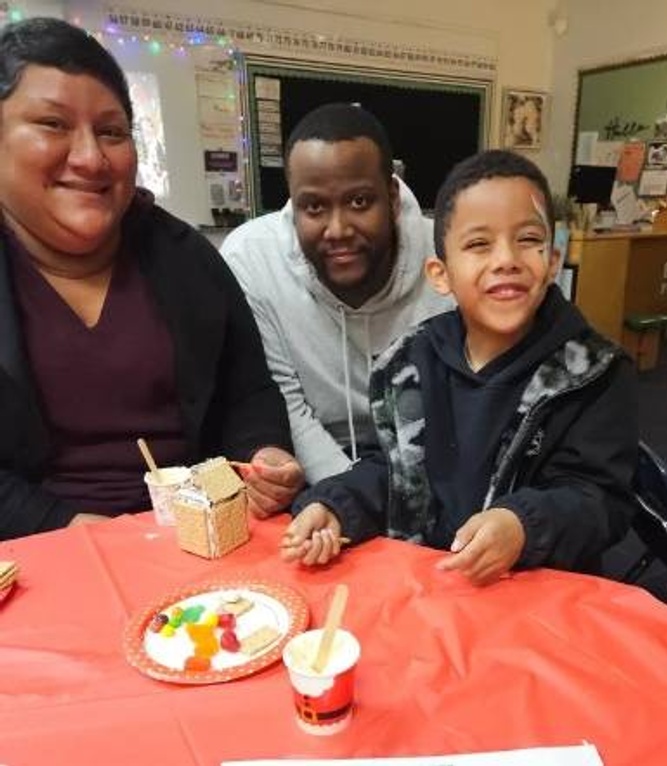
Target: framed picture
523 116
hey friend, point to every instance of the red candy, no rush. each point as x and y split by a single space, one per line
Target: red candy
158 622
229 641
227 620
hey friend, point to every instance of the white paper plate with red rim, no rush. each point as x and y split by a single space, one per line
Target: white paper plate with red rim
168 655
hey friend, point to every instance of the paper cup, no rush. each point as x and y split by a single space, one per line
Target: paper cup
324 701
162 494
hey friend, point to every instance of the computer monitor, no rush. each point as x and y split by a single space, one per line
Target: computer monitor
591 183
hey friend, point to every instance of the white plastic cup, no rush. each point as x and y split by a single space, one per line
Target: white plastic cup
162 494
324 701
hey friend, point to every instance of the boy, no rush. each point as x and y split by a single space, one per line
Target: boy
508 428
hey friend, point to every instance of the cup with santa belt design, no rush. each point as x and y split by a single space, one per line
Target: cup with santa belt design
324 701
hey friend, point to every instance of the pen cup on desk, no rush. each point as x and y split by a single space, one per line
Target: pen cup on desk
324 701
162 491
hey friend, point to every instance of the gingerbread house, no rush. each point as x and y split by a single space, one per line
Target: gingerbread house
211 515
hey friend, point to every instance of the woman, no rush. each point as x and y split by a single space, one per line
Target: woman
118 320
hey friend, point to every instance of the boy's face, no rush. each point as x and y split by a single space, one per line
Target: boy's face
498 260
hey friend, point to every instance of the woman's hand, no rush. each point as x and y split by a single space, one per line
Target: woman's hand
313 537
487 546
273 478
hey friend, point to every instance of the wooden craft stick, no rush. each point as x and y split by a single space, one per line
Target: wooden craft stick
331 625
150 462
341 541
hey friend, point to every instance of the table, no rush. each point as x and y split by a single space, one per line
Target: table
540 658
619 273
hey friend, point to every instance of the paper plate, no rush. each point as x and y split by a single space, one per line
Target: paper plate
163 657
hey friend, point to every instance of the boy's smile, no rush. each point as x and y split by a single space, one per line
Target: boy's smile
498 262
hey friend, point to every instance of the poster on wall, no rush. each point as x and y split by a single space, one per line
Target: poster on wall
267 102
631 162
149 133
219 125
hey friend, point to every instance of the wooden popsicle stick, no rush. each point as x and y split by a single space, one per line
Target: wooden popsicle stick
341 541
331 625
150 462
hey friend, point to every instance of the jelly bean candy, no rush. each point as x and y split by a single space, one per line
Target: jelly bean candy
192 613
229 641
197 663
203 637
210 618
227 620
167 630
158 622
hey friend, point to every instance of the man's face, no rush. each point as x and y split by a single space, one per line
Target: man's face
344 212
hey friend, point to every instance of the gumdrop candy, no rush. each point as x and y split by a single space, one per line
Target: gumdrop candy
197 663
227 620
229 641
158 622
203 637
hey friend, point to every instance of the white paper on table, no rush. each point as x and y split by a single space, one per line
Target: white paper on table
577 755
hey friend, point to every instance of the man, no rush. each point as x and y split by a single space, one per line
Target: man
333 278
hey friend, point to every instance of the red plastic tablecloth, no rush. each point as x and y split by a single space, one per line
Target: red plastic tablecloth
541 658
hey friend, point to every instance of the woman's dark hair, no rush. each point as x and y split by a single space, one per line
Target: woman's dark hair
342 122
55 43
494 163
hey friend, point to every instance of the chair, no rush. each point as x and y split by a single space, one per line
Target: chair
650 521
641 557
641 338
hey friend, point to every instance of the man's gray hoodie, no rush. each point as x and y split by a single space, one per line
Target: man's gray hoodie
319 349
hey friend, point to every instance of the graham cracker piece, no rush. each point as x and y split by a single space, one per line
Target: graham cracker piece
259 639
8 573
217 479
238 607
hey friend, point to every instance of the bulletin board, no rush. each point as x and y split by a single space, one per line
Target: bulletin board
432 123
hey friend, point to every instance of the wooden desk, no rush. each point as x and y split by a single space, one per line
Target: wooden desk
540 658
619 273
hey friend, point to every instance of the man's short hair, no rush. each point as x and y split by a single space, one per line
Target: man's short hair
493 163
54 43
342 122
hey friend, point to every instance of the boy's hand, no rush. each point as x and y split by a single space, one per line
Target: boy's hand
313 537
487 546
273 478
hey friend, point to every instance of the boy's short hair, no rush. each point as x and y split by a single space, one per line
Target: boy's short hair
54 43
342 122
493 163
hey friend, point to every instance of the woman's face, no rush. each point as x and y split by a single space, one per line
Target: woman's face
67 163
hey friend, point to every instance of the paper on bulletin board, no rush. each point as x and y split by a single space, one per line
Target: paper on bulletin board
631 162
267 87
653 183
578 755
586 141
607 153
625 203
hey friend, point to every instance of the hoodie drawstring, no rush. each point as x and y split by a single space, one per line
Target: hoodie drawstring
348 392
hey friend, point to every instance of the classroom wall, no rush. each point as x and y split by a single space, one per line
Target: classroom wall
597 33
515 33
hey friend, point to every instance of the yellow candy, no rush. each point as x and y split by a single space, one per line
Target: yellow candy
167 630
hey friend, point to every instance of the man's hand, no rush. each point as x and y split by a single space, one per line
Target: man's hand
273 478
487 546
313 537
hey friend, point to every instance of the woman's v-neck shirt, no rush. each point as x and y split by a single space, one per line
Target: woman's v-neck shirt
101 387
